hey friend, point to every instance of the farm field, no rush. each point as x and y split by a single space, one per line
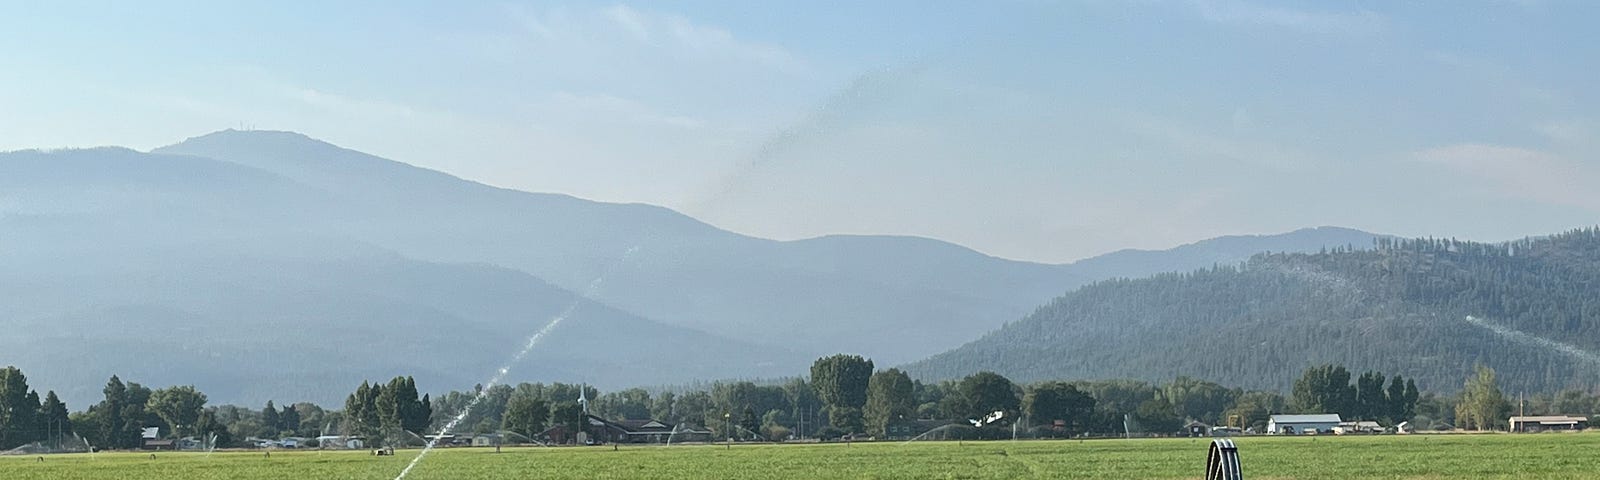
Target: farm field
1414 456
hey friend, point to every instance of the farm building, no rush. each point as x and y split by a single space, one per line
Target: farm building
1548 423
156 444
600 430
903 429
1347 428
151 439
642 431
486 440
1301 424
340 442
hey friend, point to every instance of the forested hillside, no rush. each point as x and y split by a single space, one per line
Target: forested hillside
1429 309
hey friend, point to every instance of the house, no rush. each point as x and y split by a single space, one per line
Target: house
1302 424
1197 428
1530 424
598 430
151 440
1348 428
913 428
555 435
641 431
486 440
340 442
155 444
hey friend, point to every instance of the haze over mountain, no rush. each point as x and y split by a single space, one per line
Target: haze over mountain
1042 131
174 269
837 293
1426 309
392 268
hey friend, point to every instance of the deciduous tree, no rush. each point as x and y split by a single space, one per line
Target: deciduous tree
984 393
1048 402
1482 406
841 385
1324 389
526 415
179 407
890 397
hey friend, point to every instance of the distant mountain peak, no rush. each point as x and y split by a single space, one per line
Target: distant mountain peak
1325 231
300 157
263 143
277 135
1323 234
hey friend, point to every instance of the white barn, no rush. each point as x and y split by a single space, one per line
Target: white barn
1298 424
1547 423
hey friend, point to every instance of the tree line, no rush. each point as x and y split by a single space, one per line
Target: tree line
1327 388
844 395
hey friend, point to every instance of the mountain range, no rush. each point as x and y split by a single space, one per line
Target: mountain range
264 265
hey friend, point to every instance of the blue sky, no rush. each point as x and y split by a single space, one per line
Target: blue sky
1035 130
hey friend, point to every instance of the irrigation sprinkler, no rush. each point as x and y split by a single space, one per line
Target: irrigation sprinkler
1223 461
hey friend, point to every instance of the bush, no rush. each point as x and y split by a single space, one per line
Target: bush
830 433
776 433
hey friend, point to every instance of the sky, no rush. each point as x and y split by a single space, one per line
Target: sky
1046 131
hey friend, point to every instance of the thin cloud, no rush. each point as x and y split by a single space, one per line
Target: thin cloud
630 20
710 39
350 106
1233 12
660 34
1503 76
618 107
535 24
1574 132
1195 140
1521 173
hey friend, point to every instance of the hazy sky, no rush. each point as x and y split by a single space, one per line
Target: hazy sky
1034 130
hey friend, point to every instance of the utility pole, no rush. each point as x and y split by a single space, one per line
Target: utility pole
583 419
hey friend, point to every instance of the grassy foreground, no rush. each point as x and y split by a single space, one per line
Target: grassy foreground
1416 456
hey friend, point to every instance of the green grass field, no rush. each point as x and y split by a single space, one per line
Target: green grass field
1415 456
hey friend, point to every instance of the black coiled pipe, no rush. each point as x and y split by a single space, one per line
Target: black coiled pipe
1223 461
